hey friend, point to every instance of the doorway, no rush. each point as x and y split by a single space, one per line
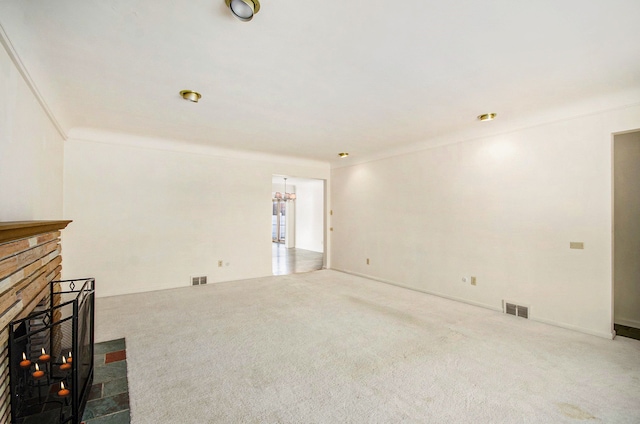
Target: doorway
626 234
297 225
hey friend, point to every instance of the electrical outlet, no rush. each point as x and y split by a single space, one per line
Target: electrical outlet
220 263
469 280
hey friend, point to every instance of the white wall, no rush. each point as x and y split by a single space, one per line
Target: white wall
310 215
149 213
502 208
31 152
627 229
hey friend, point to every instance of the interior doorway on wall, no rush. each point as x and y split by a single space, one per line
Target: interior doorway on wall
626 234
297 226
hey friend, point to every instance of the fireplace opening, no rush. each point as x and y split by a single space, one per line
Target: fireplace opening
51 356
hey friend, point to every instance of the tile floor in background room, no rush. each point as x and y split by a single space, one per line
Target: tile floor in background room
109 397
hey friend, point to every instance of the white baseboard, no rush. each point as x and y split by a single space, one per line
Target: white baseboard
627 322
607 335
444 296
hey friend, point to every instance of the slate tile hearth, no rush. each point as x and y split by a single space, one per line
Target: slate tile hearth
109 396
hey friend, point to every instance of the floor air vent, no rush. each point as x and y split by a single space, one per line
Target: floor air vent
516 310
198 281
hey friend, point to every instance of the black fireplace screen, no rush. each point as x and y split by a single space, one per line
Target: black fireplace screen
51 356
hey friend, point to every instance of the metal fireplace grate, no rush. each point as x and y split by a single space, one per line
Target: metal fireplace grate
51 356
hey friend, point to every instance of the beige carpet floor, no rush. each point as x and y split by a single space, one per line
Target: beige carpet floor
327 347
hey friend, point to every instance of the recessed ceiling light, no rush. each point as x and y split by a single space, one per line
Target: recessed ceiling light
343 154
488 116
192 96
243 9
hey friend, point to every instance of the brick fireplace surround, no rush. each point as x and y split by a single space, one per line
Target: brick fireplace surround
29 259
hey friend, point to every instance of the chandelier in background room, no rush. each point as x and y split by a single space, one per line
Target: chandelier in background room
286 196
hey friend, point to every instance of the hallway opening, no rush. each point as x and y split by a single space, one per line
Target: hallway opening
297 225
626 234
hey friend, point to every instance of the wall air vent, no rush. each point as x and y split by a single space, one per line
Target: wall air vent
523 311
516 310
198 281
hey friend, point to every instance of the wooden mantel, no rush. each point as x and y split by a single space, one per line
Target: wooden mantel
10 231
29 260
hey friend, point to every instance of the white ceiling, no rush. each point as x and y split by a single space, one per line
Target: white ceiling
312 79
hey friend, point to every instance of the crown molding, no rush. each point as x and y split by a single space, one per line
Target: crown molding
97 135
614 102
13 55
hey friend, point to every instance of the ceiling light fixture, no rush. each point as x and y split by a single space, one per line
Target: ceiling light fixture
286 196
488 117
192 96
343 154
243 9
